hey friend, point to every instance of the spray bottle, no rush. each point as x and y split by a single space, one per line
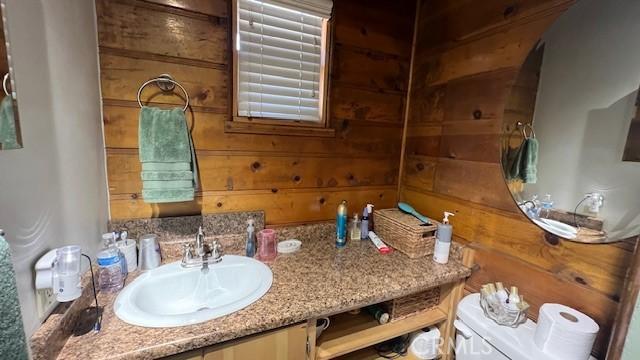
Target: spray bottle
341 225
443 240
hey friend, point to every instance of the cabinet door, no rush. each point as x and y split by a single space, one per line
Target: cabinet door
283 344
189 355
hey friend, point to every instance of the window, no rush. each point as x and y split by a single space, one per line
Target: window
280 61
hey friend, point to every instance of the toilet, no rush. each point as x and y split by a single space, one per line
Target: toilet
480 338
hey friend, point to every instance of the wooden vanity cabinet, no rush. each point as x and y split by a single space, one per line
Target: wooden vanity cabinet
289 343
350 337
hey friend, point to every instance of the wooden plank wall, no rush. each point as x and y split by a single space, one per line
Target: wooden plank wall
468 54
293 178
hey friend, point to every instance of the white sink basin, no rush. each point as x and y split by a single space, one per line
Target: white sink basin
174 296
557 228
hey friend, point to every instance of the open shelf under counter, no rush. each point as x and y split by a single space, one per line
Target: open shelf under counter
370 353
352 332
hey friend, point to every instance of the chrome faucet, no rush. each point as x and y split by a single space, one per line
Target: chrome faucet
203 255
200 251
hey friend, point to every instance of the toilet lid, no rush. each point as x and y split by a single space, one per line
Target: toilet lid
515 343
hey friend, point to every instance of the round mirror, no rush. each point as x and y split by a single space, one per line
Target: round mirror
571 133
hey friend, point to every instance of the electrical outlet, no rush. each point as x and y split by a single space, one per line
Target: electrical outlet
46 302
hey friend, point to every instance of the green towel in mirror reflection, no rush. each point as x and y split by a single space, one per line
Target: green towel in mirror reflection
522 162
8 134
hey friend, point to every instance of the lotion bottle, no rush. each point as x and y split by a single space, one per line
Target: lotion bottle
250 246
503 295
364 224
443 240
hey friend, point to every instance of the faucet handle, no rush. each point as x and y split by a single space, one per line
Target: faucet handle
187 253
216 249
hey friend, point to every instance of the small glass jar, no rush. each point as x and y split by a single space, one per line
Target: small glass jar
110 267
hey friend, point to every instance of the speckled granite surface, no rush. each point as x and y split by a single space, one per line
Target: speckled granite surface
51 337
318 280
171 228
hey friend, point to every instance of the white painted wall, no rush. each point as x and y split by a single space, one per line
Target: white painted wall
588 84
53 191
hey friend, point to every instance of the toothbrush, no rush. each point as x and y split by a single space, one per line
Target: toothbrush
410 210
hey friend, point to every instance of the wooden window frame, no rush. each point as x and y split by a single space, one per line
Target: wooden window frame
262 125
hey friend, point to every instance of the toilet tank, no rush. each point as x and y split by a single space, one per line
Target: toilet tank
471 346
480 338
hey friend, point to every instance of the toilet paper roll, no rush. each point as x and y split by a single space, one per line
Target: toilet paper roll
564 332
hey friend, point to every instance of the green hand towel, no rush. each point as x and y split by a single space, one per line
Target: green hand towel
163 136
167 185
13 344
167 156
166 175
168 166
8 133
167 195
529 161
511 160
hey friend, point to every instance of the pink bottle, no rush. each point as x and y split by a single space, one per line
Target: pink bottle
267 245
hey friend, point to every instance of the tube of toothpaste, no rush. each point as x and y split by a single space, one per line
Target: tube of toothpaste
382 247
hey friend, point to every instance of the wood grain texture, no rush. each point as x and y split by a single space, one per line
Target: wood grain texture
207 130
231 170
364 105
214 8
427 104
280 206
514 234
139 26
454 177
498 51
449 23
288 343
295 178
369 333
419 172
122 76
468 61
387 34
369 69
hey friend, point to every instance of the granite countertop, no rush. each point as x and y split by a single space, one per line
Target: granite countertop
318 280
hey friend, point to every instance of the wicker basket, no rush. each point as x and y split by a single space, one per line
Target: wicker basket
405 233
403 307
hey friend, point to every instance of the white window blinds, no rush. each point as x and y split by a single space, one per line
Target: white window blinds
280 58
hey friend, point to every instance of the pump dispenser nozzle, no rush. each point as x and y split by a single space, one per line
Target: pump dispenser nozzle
443 240
446 217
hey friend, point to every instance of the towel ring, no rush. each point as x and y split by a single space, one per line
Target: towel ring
524 127
161 83
4 83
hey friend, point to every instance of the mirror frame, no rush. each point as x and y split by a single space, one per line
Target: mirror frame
520 127
11 72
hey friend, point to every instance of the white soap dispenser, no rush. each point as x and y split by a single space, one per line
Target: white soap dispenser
443 240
